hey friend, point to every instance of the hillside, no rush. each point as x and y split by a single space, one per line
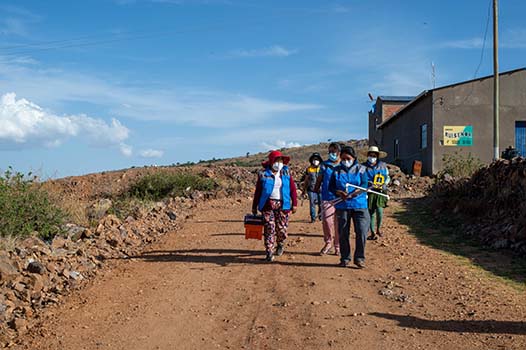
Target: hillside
299 155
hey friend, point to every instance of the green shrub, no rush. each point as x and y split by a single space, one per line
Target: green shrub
25 207
459 165
164 184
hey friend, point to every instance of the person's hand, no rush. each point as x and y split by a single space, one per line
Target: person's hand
293 210
342 194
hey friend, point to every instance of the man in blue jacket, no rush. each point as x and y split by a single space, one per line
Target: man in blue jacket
353 206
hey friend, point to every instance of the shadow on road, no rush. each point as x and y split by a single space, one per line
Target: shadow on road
306 235
445 233
465 326
225 257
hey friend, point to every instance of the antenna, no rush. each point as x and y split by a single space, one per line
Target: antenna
433 74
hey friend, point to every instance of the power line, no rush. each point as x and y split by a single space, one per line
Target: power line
82 41
479 64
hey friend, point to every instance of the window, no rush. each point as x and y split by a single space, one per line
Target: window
423 136
396 149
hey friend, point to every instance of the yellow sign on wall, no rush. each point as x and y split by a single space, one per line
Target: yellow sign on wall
460 136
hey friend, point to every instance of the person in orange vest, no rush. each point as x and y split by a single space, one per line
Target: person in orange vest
309 186
275 197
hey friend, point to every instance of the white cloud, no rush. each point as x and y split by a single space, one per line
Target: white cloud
473 43
510 39
126 150
151 153
189 106
25 124
279 144
272 51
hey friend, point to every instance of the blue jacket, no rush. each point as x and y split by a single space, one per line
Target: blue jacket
355 175
377 175
266 177
326 168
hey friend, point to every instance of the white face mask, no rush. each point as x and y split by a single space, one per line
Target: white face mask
315 162
372 160
347 163
277 166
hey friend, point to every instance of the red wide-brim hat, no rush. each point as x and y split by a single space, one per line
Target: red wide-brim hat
272 157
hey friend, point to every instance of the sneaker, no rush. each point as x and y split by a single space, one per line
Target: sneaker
372 238
360 264
280 249
343 263
312 221
326 248
270 257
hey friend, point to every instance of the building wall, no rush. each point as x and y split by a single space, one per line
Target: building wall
406 128
382 112
472 104
374 133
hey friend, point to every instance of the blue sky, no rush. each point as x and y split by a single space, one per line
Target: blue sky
97 85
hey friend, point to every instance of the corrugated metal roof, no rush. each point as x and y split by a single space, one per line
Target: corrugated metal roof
396 98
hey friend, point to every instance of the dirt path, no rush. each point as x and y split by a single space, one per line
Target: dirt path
208 286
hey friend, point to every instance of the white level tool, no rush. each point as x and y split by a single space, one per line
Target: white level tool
368 190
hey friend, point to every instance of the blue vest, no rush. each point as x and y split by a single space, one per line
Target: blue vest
377 175
355 175
326 169
267 182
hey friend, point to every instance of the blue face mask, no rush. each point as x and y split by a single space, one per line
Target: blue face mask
333 157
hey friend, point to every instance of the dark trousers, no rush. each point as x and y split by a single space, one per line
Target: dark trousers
361 220
314 202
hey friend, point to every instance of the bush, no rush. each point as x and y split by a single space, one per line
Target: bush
459 165
163 184
25 207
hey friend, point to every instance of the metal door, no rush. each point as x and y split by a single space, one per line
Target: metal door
520 137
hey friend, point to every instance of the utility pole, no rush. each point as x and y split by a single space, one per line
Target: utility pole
496 154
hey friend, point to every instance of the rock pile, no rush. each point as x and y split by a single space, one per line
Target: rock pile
407 186
492 203
36 274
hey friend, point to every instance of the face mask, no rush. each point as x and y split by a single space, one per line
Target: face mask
347 163
277 166
372 160
333 157
315 162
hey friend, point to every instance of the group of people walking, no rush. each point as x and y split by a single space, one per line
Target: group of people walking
340 190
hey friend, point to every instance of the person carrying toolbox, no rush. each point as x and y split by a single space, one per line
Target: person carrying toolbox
275 197
309 186
352 205
378 179
328 212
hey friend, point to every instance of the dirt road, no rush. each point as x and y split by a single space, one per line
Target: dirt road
208 287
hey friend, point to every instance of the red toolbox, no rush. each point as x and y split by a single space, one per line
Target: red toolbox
253 226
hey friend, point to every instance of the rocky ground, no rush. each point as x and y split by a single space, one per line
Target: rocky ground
206 286
181 267
492 204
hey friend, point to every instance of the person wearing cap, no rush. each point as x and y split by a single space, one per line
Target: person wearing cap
275 197
328 211
309 184
352 206
378 179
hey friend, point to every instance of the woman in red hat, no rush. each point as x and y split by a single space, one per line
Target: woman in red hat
275 197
